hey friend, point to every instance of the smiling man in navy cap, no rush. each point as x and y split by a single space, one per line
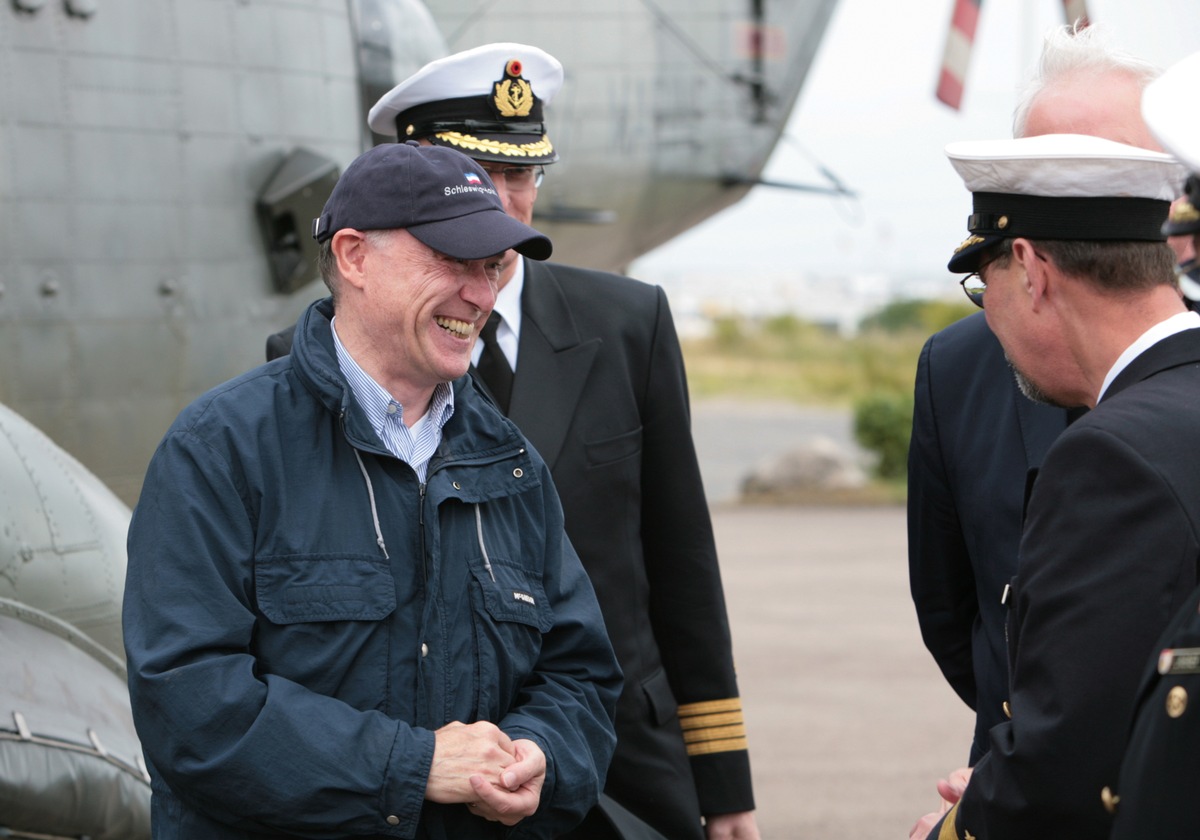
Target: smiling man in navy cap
1067 257
351 609
589 367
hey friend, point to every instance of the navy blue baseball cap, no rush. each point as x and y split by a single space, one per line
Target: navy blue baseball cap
440 196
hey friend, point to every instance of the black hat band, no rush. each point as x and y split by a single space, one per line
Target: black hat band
1057 217
467 113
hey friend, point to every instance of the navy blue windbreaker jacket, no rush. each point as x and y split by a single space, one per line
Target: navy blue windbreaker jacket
301 615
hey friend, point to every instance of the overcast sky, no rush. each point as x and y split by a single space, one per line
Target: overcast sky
868 114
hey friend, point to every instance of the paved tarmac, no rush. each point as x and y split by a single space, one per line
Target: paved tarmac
850 722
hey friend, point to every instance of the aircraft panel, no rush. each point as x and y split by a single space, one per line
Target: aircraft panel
207 28
663 94
209 100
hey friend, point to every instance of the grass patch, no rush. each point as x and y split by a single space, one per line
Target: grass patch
791 360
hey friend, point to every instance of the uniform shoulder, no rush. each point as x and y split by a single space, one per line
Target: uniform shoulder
606 284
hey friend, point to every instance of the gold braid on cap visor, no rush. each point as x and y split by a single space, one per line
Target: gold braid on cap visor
496 147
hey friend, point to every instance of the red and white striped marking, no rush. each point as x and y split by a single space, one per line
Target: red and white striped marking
957 58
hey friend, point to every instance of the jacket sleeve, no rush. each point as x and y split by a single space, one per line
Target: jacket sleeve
687 601
941 579
568 705
245 748
1107 556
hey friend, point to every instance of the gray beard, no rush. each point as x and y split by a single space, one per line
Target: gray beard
1032 391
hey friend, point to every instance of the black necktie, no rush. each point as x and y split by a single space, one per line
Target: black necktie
493 366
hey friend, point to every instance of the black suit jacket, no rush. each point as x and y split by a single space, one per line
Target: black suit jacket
1160 773
976 440
601 393
1110 551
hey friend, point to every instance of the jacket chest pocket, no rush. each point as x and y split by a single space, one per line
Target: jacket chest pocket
511 614
325 623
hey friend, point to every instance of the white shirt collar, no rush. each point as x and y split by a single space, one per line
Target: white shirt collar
1163 329
508 305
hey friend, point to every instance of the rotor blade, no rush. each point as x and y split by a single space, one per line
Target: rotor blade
959 40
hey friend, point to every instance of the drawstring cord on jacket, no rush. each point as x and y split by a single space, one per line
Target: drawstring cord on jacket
374 512
487 564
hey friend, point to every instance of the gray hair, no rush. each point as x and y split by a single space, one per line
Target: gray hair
1069 50
327 262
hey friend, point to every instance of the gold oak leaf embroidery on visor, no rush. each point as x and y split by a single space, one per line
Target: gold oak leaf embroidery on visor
496 147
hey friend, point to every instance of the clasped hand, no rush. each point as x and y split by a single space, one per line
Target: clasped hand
478 765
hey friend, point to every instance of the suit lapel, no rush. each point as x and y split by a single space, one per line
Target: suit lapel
552 363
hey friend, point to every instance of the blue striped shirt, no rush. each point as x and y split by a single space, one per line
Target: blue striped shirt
415 445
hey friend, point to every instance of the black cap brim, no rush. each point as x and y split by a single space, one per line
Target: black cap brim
486 233
969 254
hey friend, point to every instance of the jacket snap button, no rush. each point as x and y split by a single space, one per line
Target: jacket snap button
518 472
424 650
393 820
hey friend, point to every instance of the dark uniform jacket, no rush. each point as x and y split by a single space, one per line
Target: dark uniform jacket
975 440
1160 774
601 393
1109 554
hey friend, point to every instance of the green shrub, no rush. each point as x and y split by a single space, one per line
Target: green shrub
926 316
883 425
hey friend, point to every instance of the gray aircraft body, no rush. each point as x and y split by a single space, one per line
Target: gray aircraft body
160 164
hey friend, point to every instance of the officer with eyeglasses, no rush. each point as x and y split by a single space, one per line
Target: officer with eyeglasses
588 365
1066 232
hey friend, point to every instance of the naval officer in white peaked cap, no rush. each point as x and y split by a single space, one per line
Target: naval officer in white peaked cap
1070 264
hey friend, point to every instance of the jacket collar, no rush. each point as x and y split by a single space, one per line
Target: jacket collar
1179 349
479 428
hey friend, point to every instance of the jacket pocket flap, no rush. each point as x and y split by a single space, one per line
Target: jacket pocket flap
614 448
663 705
319 587
514 596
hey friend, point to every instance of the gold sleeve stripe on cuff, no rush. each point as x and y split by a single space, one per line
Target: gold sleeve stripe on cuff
706 721
948 831
710 747
708 707
714 733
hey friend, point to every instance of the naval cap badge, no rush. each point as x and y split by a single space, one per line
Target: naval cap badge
512 96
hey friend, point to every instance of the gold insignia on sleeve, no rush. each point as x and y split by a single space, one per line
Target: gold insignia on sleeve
713 726
967 243
946 832
512 95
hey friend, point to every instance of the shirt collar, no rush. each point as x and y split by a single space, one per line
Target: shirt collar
1164 329
508 299
375 399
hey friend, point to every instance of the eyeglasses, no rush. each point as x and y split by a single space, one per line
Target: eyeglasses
974 287
516 178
